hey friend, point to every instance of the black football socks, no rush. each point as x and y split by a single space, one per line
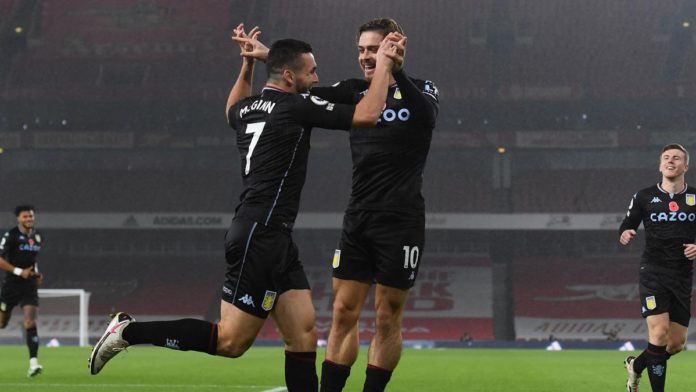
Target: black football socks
301 371
333 376
184 335
654 358
377 379
32 342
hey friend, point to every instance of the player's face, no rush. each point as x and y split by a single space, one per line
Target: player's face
26 219
368 44
306 76
673 163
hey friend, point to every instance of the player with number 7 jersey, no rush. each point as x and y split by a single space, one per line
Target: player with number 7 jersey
273 133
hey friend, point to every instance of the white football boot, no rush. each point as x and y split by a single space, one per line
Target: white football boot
34 368
633 377
111 342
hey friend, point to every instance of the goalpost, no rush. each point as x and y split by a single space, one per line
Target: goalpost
83 313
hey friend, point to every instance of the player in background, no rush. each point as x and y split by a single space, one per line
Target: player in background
384 225
19 248
264 275
668 213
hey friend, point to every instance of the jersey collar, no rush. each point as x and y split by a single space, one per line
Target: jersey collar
659 186
272 88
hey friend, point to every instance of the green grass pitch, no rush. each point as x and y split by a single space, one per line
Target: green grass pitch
261 369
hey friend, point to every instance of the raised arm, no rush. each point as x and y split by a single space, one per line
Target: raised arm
242 87
424 107
251 46
368 110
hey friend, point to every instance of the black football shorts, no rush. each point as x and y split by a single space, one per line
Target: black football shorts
665 291
380 247
18 292
262 264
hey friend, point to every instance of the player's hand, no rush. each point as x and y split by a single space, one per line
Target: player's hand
627 236
389 52
26 273
400 51
690 251
36 275
249 44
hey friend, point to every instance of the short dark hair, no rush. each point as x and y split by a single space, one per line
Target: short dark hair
675 146
383 26
24 207
285 53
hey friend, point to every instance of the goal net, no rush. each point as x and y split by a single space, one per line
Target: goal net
63 316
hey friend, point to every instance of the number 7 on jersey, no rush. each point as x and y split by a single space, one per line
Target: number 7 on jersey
256 129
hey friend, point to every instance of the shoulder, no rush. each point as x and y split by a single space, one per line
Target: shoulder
646 195
428 87
649 191
9 236
244 102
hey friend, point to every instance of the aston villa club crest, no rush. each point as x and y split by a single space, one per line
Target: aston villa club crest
397 93
38 237
268 300
650 302
690 199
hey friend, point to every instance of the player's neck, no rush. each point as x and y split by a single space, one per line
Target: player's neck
675 185
278 86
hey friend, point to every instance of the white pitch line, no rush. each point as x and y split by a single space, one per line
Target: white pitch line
274 389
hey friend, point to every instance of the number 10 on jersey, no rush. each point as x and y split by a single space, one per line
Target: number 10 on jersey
410 256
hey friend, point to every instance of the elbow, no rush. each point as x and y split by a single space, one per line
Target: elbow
227 113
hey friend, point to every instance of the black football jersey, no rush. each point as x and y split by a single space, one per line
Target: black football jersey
20 249
669 220
273 131
389 159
